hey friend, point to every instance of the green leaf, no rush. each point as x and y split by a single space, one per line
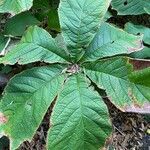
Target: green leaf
138 29
26 100
80 120
110 41
143 54
5 69
142 80
15 6
16 25
4 41
147 9
131 7
79 20
35 45
112 75
61 43
107 16
41 4
53 20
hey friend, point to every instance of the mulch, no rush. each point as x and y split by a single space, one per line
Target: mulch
130 130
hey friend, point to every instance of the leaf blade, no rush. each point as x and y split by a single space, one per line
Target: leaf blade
138 29
112 75
16 25
35 45
15 7
26 100
80 118
110 41
81 23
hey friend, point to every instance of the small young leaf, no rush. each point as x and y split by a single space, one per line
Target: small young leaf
79 20
80 120
26 100
36 45
15 6
110 41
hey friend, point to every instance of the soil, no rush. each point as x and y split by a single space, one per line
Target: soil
130 130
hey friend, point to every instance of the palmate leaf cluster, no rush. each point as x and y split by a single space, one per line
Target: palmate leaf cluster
88 49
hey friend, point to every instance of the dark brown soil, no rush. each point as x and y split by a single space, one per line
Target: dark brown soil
130 130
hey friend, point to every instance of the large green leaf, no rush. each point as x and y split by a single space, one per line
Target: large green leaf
139 29
16 25
26 100
112 75
80 120
131 7
15 6
111 41
79 20
35 45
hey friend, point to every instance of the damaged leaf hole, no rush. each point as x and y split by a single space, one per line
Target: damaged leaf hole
138 33
125 3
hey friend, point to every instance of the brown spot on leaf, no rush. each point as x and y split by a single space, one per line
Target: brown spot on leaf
133 98
3 118
145 109
139 46
135 106
139 64
107 143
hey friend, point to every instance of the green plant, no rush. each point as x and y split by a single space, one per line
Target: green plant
88 50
